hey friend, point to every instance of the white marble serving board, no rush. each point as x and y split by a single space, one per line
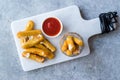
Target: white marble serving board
72 22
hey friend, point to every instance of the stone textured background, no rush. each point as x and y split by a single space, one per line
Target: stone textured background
102 64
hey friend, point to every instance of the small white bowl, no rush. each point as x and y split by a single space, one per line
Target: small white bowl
61 25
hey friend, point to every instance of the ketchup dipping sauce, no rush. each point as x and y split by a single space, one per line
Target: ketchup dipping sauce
52 27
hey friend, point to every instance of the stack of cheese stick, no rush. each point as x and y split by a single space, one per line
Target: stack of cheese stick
35 46
71 45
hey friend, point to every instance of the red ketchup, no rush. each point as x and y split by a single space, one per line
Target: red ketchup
51 26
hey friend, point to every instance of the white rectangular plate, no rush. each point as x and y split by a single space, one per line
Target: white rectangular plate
72 22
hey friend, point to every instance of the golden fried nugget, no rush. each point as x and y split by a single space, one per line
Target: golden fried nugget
64 46
78 41
70 43
40 52
28 33
48 45
32 42
68 53
29 26
33 56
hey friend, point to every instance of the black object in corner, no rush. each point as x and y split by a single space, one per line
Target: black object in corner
107 21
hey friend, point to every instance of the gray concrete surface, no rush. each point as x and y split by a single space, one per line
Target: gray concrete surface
102 64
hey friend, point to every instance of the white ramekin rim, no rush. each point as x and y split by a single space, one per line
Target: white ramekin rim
61 25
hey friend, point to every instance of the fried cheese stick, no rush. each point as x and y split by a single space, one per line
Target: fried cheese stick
40 46
78 41
29 26
33 56
28 33
69 53
32 42
70 42
40 52
64 46
48 45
